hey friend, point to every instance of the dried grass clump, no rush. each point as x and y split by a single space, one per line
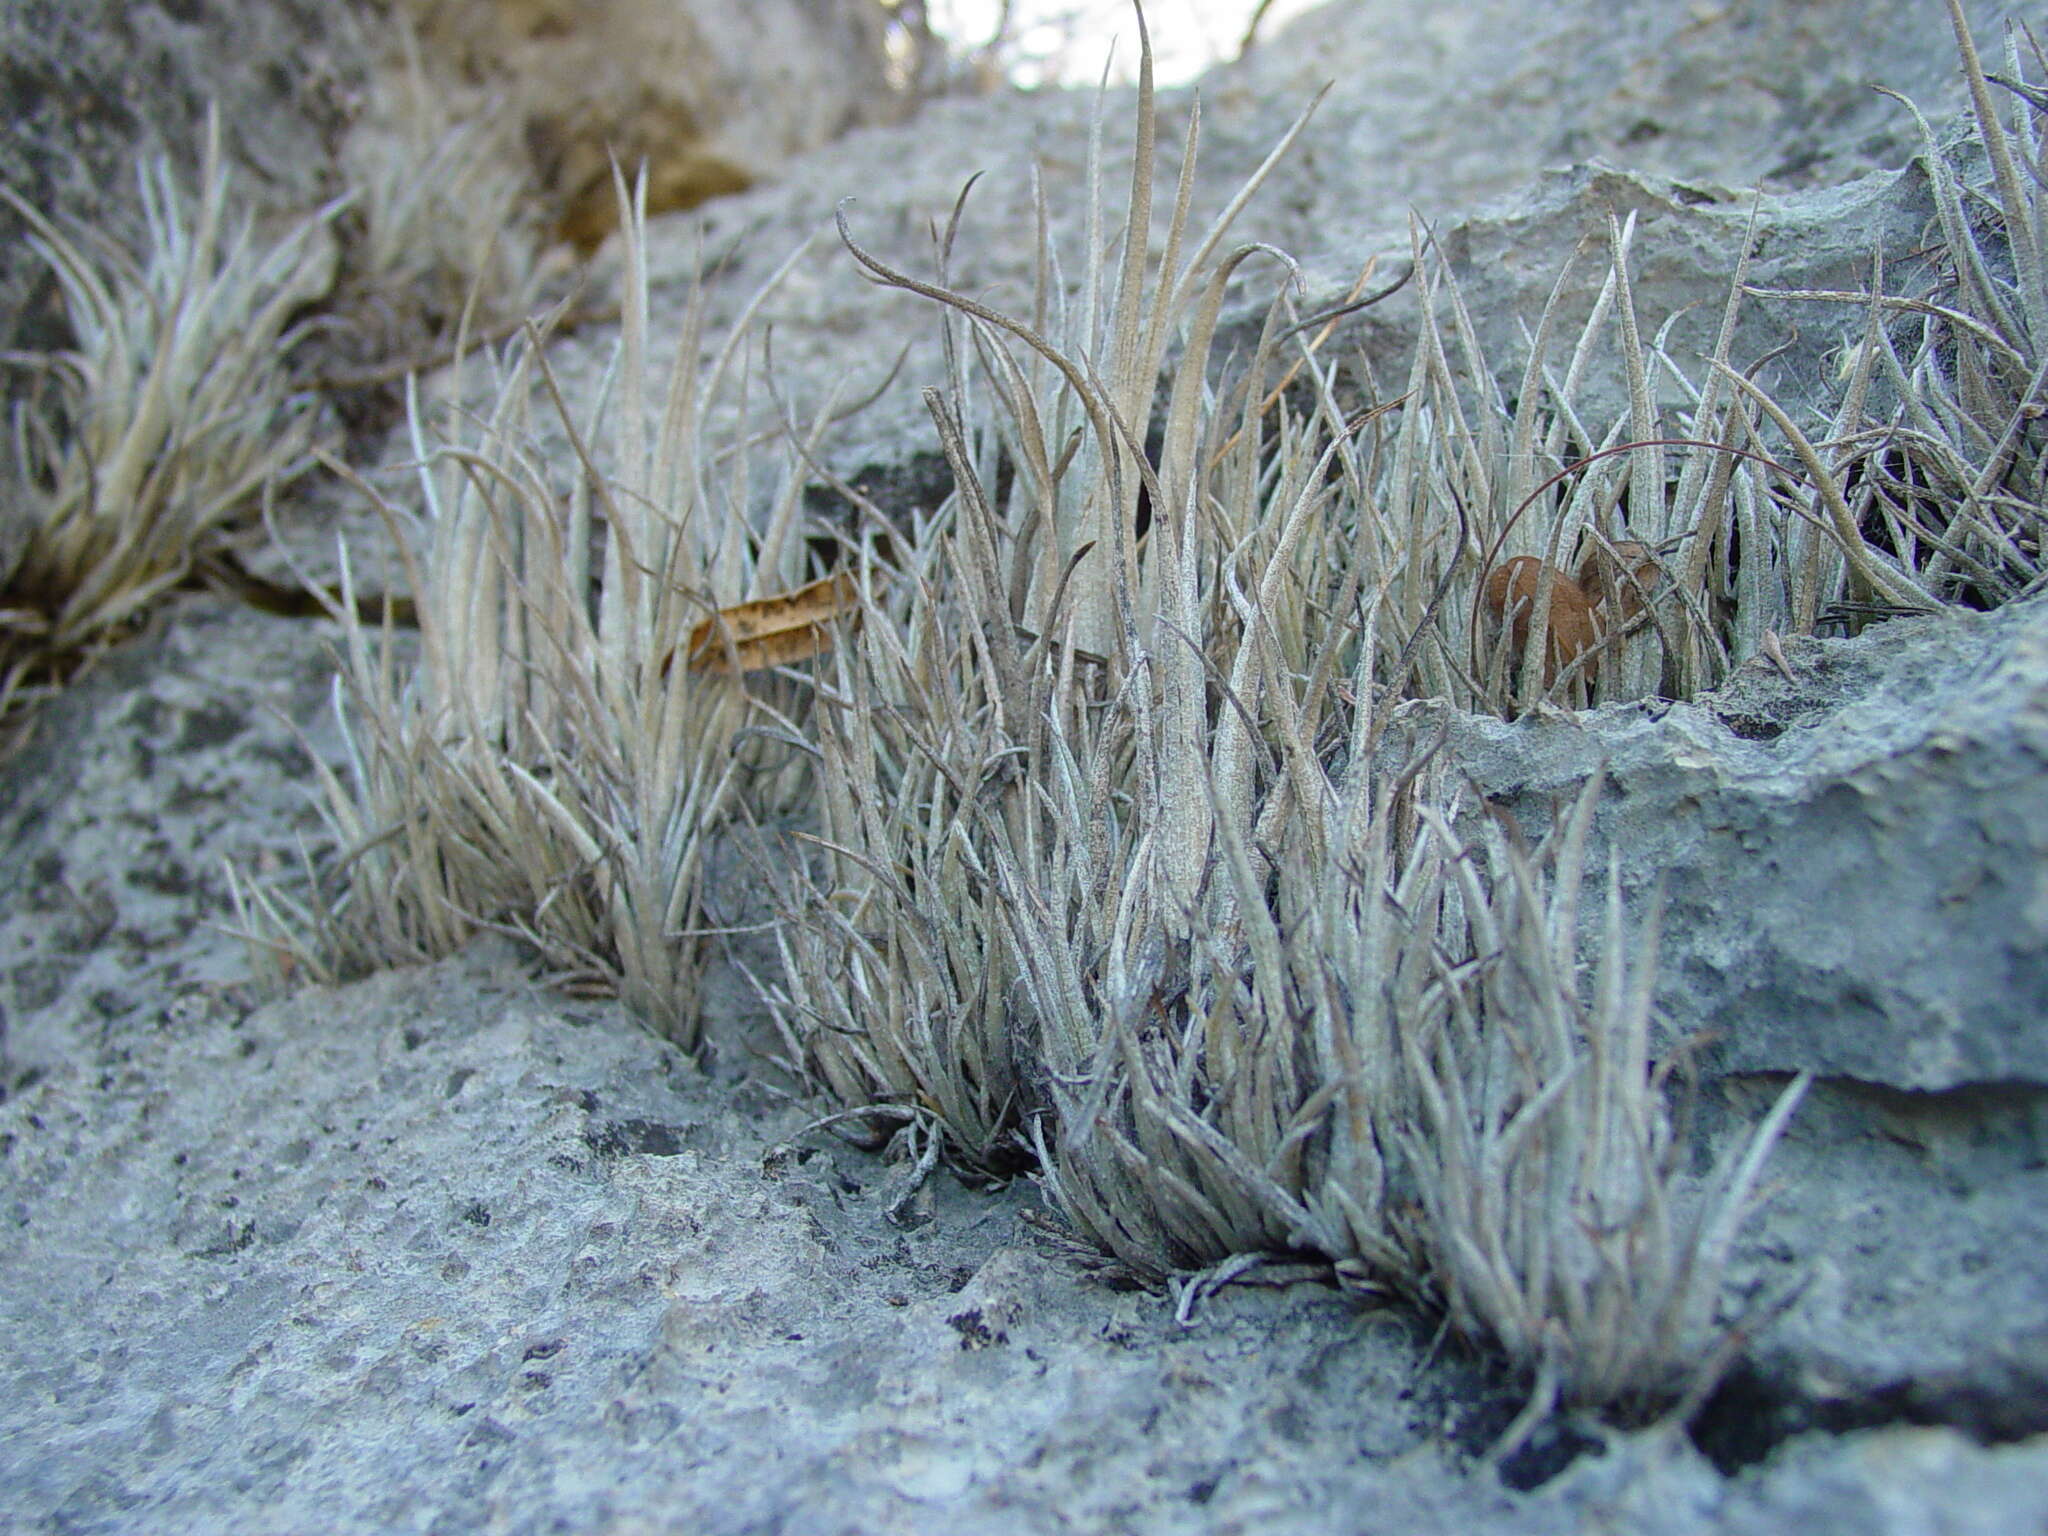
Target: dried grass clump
1396 1060
1113 878
1015 796
449 225
1536 1133
1115 875
1654 553
1540 554
551 764
150 442
1939 449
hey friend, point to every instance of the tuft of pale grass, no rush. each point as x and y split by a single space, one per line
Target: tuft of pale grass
1556 1217
546 761
1014 799
151 441
1111 876
1396 1060
1937 452
449 228
895 990
1544 555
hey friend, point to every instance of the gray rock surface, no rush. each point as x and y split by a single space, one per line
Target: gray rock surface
442 1250
1921 1219
708 97
1446 106
1851 859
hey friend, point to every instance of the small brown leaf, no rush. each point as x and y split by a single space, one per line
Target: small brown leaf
1574 629
774 631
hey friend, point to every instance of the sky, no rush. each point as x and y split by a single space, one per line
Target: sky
1066 42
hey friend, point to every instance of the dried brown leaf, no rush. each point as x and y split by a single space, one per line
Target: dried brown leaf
774 631
1511 592
1617 577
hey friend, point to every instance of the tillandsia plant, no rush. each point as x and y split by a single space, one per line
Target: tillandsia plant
1398 1062
1939 452
1113 878
1016 797
1537 554
558 758
1611 572
149 443
446 217
1552 1212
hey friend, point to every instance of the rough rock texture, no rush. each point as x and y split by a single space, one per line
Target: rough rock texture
87 85
1444 106
444 1251
1851 859
711 97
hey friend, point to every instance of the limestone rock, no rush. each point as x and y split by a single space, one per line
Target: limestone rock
1848 859
711 97
1444 107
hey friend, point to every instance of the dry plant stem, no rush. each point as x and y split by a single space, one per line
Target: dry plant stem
2023 231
